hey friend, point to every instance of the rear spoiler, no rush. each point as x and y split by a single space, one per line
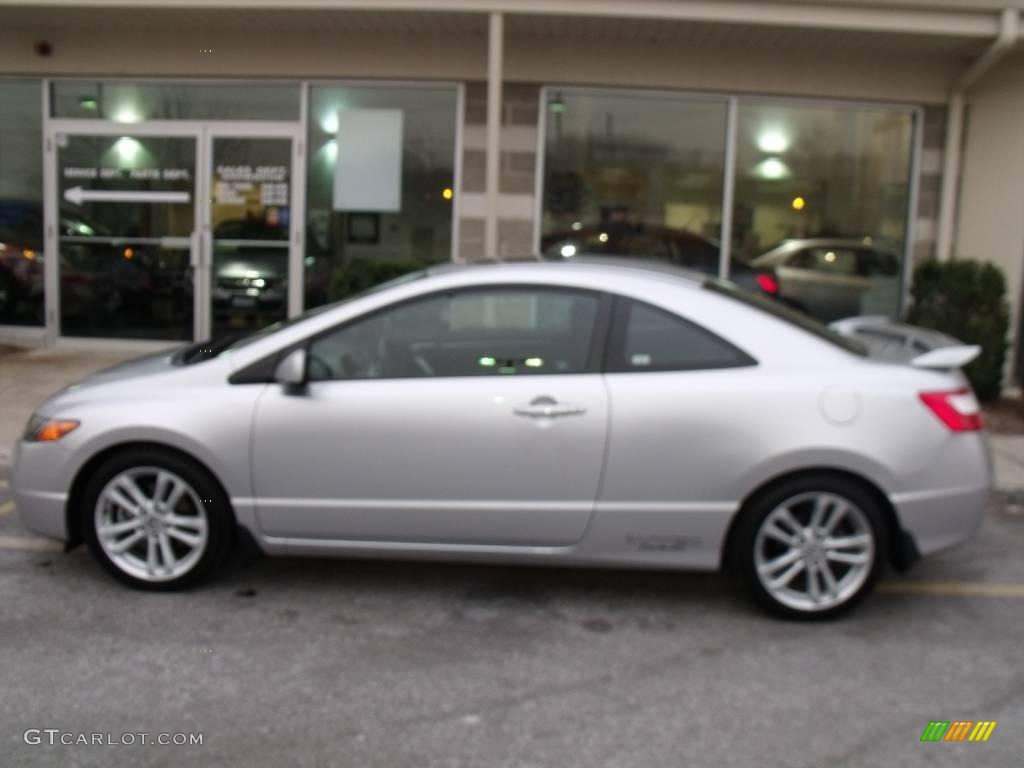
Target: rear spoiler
908 344
947 357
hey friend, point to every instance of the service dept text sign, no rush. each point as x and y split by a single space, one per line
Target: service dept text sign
117 185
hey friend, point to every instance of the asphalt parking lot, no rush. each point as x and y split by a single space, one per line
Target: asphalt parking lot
350 663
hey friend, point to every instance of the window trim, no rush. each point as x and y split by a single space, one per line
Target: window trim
263 368
616 346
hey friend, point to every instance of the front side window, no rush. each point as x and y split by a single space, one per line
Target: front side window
645 338
492 332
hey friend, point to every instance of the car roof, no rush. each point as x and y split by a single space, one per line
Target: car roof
634 267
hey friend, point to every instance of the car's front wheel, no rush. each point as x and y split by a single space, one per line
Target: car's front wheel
811 547
155 520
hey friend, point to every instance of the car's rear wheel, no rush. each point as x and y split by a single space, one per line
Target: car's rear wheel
155 520
811 547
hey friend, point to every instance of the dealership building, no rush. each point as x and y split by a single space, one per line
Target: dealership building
174 170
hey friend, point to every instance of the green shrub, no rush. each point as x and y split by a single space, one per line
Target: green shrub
966 299
363 274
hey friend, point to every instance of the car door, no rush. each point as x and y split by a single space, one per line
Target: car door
472 417
676 444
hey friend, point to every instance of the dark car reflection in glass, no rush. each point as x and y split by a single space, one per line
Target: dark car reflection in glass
250 283
679 247
21 265
103 283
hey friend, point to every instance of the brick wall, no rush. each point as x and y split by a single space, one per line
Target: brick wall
926 224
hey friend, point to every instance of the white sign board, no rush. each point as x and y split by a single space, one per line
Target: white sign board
368 173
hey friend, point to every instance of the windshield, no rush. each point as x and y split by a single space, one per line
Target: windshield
211 348
781 311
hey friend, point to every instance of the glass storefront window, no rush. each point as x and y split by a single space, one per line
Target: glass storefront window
633 175
821 205
21 204
126 213
133 102
380 184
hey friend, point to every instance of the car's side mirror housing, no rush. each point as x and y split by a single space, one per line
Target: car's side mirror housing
291 370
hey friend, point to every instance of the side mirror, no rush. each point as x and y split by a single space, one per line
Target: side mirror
291 370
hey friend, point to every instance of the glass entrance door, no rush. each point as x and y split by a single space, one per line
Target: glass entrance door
125 224
171 231
249 231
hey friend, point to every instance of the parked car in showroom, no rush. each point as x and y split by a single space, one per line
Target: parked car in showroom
593 412
670 245
831 278
250 270
96 280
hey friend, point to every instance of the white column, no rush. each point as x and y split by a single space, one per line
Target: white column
493 151
950 175
728 187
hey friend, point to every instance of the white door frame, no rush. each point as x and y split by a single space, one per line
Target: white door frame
203 132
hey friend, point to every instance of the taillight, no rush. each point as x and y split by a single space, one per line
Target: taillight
958 409
768 284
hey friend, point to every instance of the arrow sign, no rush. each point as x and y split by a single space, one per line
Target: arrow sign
77 195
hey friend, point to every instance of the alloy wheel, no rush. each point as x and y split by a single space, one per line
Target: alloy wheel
151 524
814 551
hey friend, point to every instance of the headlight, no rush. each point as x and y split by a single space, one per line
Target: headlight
41 429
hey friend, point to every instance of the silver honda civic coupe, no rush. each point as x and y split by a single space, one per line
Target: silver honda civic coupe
600 414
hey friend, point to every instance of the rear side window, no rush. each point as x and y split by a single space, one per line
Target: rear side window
782 312
646 338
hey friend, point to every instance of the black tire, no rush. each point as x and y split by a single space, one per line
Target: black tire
219 517
757 510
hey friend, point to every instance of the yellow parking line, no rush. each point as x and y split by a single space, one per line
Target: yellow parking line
30 544
6 508
954 588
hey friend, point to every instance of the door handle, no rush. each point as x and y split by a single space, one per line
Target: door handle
549 408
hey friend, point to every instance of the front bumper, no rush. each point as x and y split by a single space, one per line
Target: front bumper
41 504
